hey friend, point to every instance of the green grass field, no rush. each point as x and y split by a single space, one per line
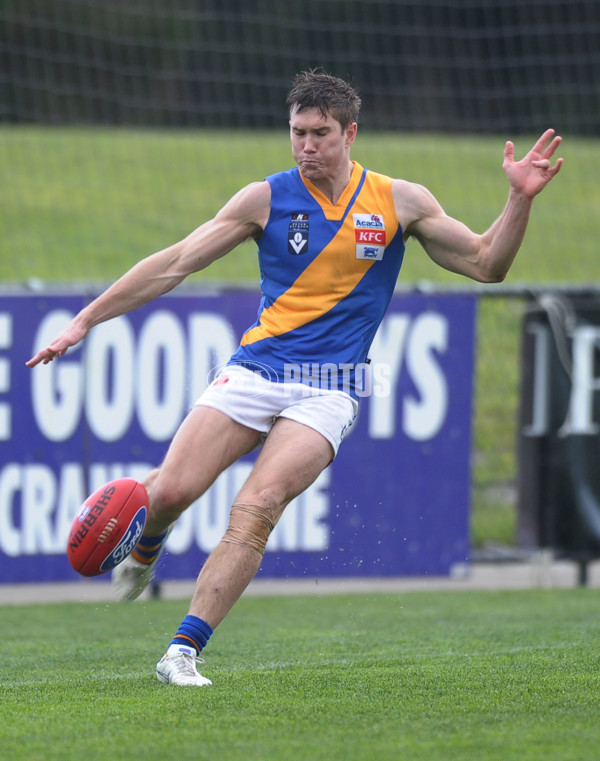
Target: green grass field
85 204
449 676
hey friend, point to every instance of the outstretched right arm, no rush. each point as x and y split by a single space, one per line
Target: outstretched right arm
243 217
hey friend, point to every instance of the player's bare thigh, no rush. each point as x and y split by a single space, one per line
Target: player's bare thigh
206 443
290 460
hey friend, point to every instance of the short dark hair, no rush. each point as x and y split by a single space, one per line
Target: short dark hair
330 95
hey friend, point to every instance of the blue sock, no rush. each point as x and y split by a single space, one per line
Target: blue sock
193 631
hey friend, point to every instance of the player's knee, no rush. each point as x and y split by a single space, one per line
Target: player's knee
273 497
250 526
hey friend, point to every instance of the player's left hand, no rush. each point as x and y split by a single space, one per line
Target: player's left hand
534 171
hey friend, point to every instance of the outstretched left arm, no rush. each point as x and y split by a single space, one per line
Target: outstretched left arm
489 256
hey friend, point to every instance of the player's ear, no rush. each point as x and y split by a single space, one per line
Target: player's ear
351 131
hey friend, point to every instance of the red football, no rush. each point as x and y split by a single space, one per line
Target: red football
107 526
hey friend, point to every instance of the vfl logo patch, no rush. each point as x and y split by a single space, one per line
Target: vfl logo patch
298 234
369 233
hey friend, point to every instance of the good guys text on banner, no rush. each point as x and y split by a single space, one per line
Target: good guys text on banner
394 502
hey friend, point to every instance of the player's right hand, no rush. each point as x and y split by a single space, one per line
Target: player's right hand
69 337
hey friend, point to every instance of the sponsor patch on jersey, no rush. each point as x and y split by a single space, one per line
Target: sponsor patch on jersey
298 234
369 231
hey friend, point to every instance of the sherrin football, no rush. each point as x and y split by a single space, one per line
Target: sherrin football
107 527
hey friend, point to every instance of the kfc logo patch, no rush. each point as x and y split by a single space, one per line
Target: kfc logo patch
369 231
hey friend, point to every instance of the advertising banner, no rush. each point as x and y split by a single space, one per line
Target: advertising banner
559 479
394 502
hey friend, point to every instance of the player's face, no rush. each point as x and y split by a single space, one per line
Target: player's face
319 145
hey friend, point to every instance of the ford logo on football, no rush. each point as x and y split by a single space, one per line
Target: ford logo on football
129 540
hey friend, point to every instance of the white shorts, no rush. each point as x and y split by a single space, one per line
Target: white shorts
256 402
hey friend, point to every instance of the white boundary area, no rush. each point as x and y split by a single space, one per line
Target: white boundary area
542 573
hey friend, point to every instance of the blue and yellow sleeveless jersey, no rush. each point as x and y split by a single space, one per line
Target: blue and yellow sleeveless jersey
327 276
